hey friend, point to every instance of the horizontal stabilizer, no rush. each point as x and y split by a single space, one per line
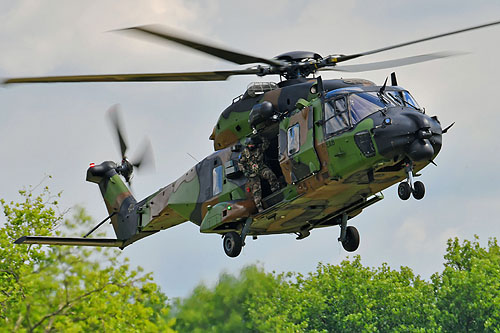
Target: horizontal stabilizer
70 241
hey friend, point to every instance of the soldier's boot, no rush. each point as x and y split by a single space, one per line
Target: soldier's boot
269 175
257 198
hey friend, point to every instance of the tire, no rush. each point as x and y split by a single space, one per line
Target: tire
232 244
404 191
418 190
351 242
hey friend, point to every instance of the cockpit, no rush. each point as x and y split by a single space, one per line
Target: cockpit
345 108
403 98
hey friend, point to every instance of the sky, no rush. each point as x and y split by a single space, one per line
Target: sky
58 129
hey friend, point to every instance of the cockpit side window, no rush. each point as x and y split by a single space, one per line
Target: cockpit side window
340 105
336 116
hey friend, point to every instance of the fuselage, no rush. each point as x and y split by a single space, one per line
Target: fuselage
332 151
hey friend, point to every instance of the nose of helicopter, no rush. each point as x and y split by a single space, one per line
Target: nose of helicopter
407 132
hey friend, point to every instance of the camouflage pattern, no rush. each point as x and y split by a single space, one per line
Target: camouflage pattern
233 126
254 185
303 162
117 197
251 162
329 175
326 176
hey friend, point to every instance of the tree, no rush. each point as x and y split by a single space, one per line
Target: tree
468 289
350 297
346 297
60 288
225 308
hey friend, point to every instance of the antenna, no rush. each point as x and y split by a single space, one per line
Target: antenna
194 158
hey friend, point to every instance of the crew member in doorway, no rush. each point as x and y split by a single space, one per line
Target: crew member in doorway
251 162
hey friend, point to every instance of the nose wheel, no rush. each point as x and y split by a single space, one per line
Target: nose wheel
408 187
418 190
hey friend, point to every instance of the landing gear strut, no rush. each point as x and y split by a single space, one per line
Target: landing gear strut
349 236
407 188
234 242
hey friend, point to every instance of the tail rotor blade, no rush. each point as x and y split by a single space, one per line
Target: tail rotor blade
115 121
146 157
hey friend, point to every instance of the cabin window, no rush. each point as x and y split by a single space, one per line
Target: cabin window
293 139
336 118
217 179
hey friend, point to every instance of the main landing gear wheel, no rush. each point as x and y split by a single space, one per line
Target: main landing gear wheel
349 235
351 242
232 244
404 191
418 190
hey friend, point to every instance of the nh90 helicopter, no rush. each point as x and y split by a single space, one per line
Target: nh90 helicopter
333 146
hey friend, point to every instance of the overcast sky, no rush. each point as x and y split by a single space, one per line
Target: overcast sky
59 129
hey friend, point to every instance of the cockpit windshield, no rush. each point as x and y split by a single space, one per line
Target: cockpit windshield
365 103
403 98
344 111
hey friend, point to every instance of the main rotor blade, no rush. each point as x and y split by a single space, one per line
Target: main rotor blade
357 55
390 63
139 77
233 56
115 120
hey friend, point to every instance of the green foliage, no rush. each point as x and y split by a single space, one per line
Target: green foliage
468 290
60 288
77 289
353 298
225 307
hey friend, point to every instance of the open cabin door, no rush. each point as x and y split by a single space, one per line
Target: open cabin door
297 156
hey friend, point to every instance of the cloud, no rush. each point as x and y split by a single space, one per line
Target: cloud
412 235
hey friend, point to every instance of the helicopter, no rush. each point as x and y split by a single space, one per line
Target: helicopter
334 145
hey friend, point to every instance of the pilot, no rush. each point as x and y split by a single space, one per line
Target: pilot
251 162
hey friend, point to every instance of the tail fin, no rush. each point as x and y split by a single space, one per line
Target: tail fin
119 201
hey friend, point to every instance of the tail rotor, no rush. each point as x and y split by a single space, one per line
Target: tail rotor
145 157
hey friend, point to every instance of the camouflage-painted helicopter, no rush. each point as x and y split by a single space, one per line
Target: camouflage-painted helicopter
334 145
